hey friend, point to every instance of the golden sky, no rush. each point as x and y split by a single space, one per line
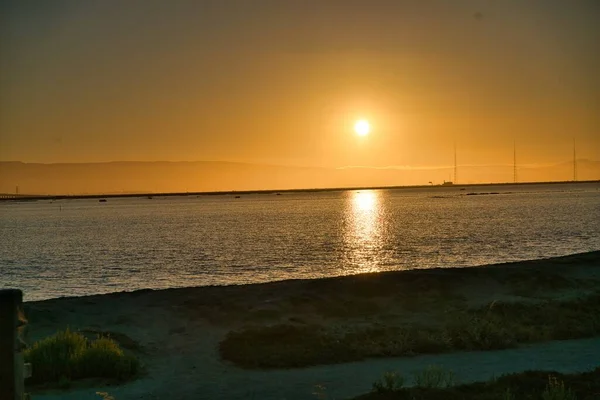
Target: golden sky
282 82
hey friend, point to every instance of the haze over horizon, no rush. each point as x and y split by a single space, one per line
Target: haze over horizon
207 176
283 83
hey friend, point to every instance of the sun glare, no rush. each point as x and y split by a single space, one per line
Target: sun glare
365 201
362 127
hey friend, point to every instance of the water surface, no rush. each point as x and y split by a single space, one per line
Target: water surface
78 247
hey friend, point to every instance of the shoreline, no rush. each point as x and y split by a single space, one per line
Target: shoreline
25 197
551 263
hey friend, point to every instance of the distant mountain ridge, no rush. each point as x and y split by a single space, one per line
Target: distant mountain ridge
153 176
197 176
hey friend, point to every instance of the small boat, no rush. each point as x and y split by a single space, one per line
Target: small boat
237 197
102 200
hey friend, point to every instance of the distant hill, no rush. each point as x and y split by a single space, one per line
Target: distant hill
128 177
148 177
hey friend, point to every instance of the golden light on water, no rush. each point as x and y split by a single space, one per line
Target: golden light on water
365 201
363 234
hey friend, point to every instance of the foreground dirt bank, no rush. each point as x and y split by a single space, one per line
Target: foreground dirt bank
177 332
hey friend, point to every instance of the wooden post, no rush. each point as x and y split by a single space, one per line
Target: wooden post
11 345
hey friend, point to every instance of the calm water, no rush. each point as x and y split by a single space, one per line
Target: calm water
78 247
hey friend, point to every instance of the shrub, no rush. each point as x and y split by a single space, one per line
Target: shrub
104 359
556 390
508 395
474 332
52 358
499 325
434 377
70 356
390 382
528 385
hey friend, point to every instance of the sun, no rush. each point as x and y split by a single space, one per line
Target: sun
362 127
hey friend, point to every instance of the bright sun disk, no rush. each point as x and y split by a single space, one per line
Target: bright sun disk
362 127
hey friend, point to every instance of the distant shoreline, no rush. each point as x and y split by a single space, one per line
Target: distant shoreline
34 197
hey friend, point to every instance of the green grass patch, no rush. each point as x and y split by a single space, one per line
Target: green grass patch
534 385
390 382
434 377
69 356
502 325
495 326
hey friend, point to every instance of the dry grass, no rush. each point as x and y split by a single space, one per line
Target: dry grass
494 326
123 340
434 377
527 385
69 356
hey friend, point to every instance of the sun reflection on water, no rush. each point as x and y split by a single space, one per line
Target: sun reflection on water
365 201
363 231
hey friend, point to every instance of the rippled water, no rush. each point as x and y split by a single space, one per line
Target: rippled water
78 247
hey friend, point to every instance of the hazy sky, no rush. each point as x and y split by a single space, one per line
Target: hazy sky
282 81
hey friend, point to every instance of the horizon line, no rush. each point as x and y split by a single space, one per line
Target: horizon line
32 197
343 167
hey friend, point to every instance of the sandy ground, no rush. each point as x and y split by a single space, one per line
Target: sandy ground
215 380
176 332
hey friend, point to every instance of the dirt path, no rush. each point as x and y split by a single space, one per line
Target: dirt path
216 380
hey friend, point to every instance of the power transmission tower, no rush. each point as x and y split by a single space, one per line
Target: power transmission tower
455 168
574 163
514 162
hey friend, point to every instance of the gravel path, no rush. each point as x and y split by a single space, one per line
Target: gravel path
213 379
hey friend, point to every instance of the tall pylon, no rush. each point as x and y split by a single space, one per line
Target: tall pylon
455 168
574 162
514 162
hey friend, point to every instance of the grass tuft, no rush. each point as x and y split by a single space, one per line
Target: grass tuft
434 377
534 385
556 390
105 396
69 356
390 382
507 395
